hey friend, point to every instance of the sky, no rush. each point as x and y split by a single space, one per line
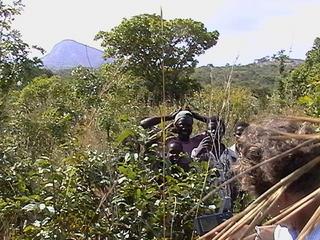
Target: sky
249 29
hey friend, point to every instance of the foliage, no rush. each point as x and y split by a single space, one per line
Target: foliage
15 67
73 161
234 104
151 45
302 85
54 188
259 77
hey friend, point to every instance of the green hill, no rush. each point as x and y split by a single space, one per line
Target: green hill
261 75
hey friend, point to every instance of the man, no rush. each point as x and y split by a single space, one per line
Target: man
238 130
212 149
211 146
182 126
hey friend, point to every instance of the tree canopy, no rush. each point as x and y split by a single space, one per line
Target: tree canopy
302 84
152 46
16 68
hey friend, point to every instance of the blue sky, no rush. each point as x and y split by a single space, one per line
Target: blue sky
249 29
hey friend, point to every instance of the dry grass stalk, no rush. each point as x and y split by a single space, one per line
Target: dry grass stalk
303 119
264 211
227 224
252 209
284 135
310 225
236 226
265 198
286 213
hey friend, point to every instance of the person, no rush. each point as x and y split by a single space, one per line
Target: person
259 142
182 126
212 149
176 156
238 130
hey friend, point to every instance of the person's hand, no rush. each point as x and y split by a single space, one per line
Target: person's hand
205 145
197 115
173 114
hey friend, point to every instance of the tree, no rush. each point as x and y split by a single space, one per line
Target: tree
152 46
281 58
15 67
302 84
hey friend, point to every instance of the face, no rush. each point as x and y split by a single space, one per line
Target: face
238 132
216 129
174 151
184 126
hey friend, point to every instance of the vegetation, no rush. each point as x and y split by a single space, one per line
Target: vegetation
152 46
73 160
16 69
262 77
302 84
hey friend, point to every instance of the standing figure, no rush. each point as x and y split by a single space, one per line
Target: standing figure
213 150
182 126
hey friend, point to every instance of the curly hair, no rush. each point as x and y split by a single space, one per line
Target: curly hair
262 141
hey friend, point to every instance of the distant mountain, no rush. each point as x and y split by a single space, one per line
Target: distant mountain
69 54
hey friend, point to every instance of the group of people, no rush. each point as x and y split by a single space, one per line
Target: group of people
255 143
181 148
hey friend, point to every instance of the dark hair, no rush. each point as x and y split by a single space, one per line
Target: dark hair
261 141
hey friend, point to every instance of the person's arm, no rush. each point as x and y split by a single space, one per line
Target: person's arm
152 121
198 116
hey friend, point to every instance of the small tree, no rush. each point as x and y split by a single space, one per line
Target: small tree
15 66
152 46
302 84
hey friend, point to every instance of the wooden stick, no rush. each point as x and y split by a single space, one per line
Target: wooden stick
265 210
284 182
294 208
310 225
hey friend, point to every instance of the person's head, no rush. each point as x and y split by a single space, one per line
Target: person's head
239 128
262 141
183 122
174 150
216 127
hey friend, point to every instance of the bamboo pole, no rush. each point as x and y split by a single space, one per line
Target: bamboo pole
264 197
310 225
296 207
